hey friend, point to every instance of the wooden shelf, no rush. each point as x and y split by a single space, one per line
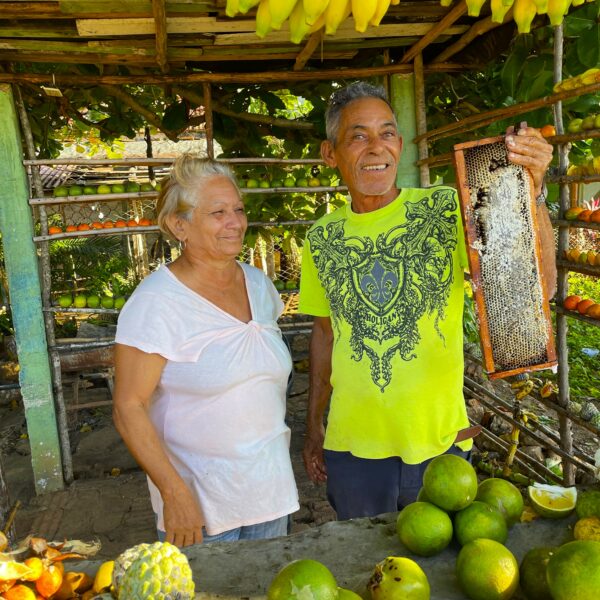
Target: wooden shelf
586 134
575 315
83 311
579 224
574 178
92 232
594 270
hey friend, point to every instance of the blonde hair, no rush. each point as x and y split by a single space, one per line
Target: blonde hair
181 189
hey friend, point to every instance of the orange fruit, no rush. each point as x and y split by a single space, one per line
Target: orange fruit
573 571
144 223
37 568
83 227
595 217
132 223
548 130
486 570
593 311
73 584
19 592
572 214
49 581
587 528
450 482
424 528
71 228
584 305
54 230
96 225
120 223
108 224
571 302
584 215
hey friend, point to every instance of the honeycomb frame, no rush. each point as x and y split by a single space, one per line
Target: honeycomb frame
504 251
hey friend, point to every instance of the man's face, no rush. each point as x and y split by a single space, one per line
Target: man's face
367 149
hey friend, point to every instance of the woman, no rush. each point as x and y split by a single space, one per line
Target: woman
201 371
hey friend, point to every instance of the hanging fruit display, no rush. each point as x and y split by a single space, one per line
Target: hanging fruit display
308 16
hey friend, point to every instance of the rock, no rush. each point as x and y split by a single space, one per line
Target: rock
535 452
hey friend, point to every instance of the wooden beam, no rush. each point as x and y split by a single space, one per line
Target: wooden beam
442 27
160 24
476 30
45 29
119 8
421 118
311 45
208 120
231 28
20 257
186 78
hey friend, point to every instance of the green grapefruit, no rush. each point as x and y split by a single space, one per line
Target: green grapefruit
117 188
504 495
65 300
480 520
60 191
552 501
107 302
450 482
146 187
89 190
588 504
424 528
93 301
344 594
398 578
573 571
103 189
120 302
75 190
80 301
486 570
532 573
302 579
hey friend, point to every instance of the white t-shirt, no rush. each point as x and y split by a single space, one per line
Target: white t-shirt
219 407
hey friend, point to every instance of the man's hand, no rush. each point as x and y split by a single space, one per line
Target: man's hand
314 463
529 149
183 519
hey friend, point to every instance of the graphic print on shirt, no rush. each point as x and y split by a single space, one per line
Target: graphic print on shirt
382 287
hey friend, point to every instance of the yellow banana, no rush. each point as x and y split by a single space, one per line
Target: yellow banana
524 14
263 19
508 2
474 7
313 9
363 11
280 10
499 10
318 24
382 8
298 25
541 6
396 2
231 8
577 2
337 12
517 385
445 2
556 11
245 5
524 391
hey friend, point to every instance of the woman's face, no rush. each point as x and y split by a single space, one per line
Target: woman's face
218 222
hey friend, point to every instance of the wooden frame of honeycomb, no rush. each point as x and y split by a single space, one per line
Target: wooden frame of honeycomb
504 250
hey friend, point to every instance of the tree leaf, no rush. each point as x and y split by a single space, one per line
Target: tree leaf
588 47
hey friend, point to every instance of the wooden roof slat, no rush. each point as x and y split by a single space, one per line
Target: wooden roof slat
311 45
475 31
139 7
41 29
160 24
442 27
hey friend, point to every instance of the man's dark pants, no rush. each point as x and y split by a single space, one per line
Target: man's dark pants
362 487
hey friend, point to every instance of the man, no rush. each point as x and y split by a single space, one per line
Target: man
383 278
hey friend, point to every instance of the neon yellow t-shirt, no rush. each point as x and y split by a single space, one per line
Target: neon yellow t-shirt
391 281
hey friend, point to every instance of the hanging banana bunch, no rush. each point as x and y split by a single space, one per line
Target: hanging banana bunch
524 10
280 11
363 11
313 9
337 12
263 19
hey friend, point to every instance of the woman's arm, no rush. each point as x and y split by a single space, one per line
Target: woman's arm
137 374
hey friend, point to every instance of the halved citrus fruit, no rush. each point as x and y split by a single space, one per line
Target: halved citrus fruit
552 501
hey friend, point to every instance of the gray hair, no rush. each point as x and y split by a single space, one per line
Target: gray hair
182 188
342 97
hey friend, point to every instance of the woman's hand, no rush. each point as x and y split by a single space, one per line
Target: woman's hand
529 149
183 518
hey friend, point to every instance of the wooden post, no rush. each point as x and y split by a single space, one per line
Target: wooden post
208 120
26 303
566 435
421 118
402 97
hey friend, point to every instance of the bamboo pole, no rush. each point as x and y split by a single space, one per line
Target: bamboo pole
566 434
208 120
421 118
46 285
491 116
438 29
265 76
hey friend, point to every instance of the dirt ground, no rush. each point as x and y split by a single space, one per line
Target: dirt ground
109 500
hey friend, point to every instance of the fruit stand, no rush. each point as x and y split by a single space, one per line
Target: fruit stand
97 209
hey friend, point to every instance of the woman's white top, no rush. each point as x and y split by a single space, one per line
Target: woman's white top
220 405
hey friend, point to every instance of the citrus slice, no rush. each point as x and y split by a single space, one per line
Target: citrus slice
552 501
